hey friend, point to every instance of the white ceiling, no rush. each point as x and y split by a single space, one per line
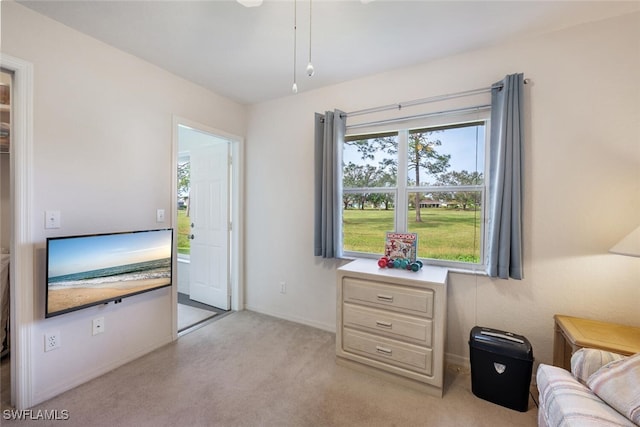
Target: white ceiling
246 54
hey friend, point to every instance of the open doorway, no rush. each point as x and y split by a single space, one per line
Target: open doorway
207 190
6 78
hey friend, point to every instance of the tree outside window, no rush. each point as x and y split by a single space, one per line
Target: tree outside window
444 186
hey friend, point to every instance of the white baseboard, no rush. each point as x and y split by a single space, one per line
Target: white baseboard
319 325
455 360
449 358
44 395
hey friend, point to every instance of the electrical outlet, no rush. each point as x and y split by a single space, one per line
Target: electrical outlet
283 287
52 341
98 325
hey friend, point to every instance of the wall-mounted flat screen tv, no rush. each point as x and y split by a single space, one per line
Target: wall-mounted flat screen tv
83 271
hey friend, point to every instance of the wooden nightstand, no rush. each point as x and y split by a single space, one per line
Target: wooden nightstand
574 333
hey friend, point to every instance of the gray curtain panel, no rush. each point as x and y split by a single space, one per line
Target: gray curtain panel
329 136
504 258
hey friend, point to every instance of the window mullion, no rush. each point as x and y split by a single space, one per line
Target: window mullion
401 194
359 190
445 188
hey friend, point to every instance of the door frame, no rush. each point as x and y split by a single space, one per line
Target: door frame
236 268
21 283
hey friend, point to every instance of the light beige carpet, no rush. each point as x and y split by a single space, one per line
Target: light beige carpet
248 369
189 316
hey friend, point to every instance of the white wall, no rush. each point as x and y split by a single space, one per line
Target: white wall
582 185
102 156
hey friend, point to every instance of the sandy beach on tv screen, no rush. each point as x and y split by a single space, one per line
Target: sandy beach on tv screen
62 299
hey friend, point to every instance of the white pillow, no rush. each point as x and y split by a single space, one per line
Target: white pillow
618 384
587 361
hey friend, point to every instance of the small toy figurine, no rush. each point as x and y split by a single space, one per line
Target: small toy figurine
400 263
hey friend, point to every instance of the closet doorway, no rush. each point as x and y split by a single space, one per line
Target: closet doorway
207 199
6 80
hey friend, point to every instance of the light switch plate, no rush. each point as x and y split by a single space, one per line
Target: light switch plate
52 219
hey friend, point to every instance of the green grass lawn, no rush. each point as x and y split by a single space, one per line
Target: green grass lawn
184 229
445 234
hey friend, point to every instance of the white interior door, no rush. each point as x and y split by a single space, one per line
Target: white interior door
209 215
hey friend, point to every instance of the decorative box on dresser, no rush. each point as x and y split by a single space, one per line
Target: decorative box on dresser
392 323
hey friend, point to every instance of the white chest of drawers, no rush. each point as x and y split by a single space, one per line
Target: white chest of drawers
392 323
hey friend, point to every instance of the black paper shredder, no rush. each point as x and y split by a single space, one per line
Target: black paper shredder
501 367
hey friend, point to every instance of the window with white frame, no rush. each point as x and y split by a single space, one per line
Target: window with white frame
425 178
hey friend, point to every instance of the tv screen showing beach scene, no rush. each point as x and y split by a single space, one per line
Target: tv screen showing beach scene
83 271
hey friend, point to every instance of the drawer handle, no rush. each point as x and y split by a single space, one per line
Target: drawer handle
382 324
384 350
385 298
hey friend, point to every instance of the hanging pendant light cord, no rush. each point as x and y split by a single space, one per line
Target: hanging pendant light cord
310 5
295 26
310 69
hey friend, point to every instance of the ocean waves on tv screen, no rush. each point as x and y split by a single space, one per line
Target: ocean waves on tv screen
130 274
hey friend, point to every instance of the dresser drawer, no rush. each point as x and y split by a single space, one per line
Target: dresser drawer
400 298
395 353
388 323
